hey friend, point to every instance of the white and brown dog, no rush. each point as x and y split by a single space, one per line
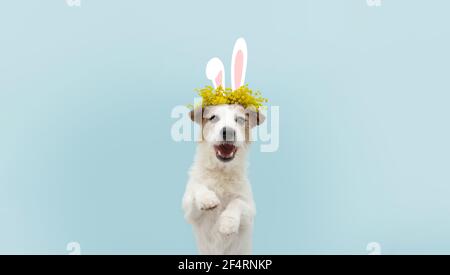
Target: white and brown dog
218 201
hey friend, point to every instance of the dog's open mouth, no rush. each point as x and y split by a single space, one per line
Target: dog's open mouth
225 151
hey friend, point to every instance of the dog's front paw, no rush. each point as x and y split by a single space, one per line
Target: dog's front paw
207 200
228 225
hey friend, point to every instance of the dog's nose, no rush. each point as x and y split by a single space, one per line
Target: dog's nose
228 134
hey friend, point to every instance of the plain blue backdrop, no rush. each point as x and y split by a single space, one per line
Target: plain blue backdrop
86 95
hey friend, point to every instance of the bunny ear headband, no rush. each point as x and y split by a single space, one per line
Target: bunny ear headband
238 93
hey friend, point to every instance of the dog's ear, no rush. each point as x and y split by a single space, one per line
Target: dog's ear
197 115
254 117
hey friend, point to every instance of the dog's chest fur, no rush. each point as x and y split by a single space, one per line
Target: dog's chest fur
228 182
227 187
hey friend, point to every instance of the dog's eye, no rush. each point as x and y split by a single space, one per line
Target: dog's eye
240 120
214 118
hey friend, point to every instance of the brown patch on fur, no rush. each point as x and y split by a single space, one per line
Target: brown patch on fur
253 118
197 117
196 114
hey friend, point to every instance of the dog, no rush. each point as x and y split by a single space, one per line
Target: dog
218 200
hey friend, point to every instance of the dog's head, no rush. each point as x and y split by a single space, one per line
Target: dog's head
226 128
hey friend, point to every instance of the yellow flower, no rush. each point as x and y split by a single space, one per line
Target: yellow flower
243 96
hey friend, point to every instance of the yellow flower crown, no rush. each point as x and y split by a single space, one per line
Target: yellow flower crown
243 96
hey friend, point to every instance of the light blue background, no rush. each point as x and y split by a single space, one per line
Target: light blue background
85 101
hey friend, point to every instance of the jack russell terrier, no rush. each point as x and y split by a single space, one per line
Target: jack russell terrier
218 200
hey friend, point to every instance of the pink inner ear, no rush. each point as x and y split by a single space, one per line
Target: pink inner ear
219 79
239 63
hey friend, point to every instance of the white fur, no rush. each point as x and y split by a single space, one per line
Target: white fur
218 201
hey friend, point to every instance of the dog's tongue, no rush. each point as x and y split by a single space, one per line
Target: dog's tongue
226 149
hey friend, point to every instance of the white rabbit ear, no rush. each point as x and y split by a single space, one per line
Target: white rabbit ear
215 71
239 64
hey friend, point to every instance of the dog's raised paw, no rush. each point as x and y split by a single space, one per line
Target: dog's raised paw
228 225
207 200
